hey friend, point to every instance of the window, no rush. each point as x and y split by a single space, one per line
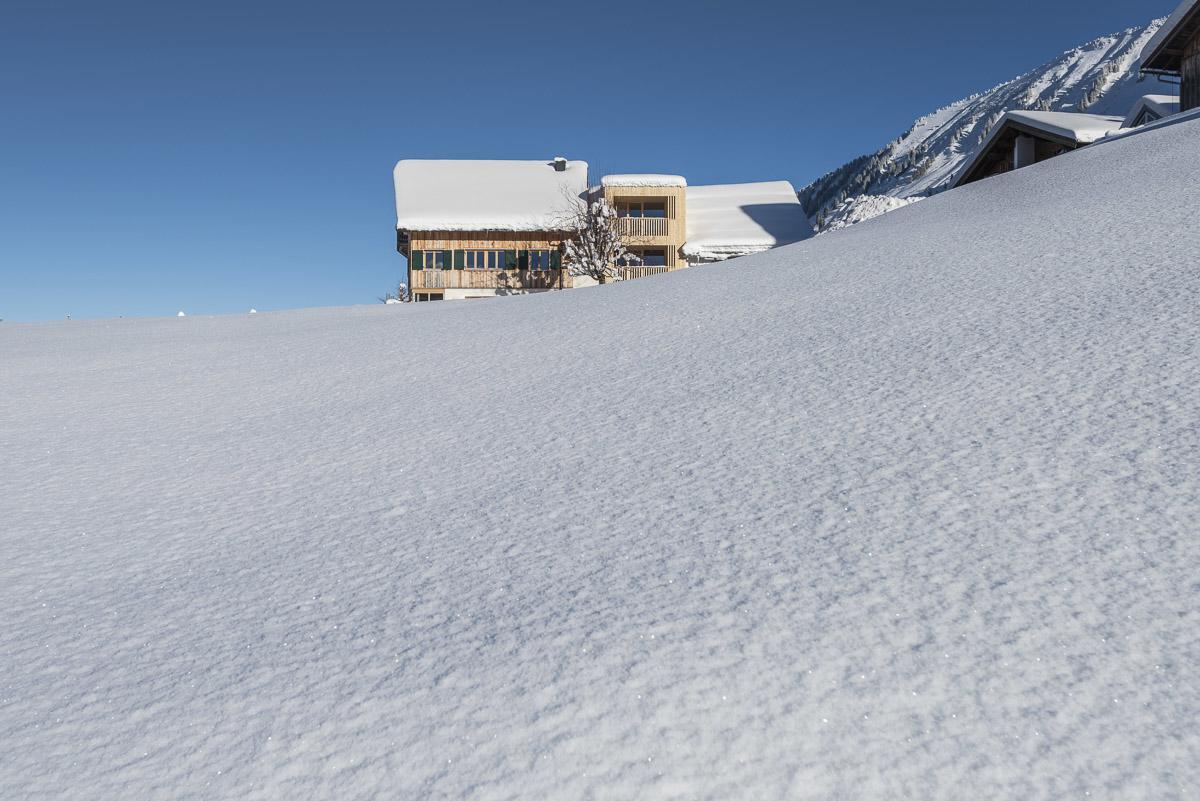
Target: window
436 260
654 258
478 259
642 208
539 260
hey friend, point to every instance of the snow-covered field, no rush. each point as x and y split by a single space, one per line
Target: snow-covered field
906 511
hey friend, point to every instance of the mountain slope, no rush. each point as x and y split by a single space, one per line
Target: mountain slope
1100 77
916 521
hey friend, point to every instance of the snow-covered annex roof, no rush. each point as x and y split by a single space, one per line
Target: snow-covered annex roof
736 219
474 195
643 179
1162 52
1159 105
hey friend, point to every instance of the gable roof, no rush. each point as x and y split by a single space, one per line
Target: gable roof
1159 105
735 219
1164 52
1067 128
1081 129
477 195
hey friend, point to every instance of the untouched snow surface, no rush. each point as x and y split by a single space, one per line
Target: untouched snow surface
917 521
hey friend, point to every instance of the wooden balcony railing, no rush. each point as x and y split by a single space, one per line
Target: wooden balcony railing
489 279
644 226
628 273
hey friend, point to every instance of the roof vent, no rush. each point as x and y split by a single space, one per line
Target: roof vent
560 164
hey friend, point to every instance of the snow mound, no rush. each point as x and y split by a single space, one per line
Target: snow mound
917 520
860 208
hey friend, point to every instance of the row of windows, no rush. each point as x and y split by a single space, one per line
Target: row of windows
642 208
486 260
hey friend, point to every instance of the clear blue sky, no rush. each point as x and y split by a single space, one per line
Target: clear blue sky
214 156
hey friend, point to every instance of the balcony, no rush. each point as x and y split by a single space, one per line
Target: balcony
642 227
489 279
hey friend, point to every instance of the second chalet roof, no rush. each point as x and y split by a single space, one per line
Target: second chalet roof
1164 52
1068 128
469 195
734 219
1161 105
1082 129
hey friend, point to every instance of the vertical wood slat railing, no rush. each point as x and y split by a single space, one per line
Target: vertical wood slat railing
629 273
644 226
488 279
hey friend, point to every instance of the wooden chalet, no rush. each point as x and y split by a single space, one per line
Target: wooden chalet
1175 51
474 229
1022 138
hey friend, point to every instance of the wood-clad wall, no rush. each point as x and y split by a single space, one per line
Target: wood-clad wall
1189 92
485 240
676 210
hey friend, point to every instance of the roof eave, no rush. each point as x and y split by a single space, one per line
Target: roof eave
1167 55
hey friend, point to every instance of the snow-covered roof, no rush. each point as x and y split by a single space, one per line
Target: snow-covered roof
1081 128
469 195
643 179
1154 54
735 219
1161 105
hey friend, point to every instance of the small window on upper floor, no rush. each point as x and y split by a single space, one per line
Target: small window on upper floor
654 208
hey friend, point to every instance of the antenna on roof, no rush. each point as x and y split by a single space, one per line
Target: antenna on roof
560 164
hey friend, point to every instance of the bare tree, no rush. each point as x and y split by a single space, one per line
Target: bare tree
596 248
399 296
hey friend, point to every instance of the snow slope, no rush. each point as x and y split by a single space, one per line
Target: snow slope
1100 77
918 522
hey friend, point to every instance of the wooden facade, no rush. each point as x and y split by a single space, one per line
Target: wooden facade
1000 155
667 233
1189 92
1176 52
470 264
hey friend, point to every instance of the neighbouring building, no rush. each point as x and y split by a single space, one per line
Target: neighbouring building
473 229
1175 51
1022 138
1151 108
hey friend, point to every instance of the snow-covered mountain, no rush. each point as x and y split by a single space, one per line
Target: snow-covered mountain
1100 77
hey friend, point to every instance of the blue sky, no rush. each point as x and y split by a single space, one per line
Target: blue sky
218 156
